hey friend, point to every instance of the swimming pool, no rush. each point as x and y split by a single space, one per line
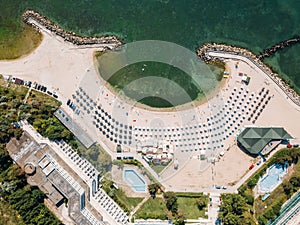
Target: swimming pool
134 180
272 178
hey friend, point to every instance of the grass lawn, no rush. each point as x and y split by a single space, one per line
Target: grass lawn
156 208
152 208
157 168
189 208
129 202
126 203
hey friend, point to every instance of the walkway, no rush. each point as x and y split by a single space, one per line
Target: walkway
138 207
213 209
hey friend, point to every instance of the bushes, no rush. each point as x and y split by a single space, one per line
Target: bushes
249 199
153 188
171 202
287 154
252 182
189 194
201 202
262 220
29 204
272 213
233 209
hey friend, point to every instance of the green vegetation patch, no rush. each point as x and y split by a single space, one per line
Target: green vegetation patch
264 211
97 156
174 206
119 196
157 168
191 207
9 216
153 208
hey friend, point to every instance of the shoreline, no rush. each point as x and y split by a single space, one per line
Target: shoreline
203 53
67 36
195 103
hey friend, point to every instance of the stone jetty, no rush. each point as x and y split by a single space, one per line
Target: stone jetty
281 45
203 53
30 15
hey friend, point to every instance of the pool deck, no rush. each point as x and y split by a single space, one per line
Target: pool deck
117 177
272 175
131 182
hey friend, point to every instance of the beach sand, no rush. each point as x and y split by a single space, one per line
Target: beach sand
64 67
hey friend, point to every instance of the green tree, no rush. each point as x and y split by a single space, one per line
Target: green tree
153 188
171 202
180 219
287 187
232 219
201 202
233 206
5 160
295 181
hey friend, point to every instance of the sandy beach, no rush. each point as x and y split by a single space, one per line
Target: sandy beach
211 126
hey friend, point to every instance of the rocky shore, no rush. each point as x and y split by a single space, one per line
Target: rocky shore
203 53
29 16
283 44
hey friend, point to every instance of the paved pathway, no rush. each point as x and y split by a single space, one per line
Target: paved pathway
138 207
213 208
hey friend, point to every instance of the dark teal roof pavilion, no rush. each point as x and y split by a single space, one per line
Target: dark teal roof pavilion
254 139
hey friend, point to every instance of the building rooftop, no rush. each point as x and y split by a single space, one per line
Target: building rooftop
254 139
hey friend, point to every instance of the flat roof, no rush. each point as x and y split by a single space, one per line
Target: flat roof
44 162
74 128
48 169
52 193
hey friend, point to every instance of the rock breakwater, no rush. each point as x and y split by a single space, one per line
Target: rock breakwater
203 53
281 45
30 16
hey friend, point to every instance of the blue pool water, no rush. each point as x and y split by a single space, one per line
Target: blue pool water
272 178
134 180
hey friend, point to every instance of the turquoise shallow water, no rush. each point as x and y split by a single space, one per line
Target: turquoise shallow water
255 24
